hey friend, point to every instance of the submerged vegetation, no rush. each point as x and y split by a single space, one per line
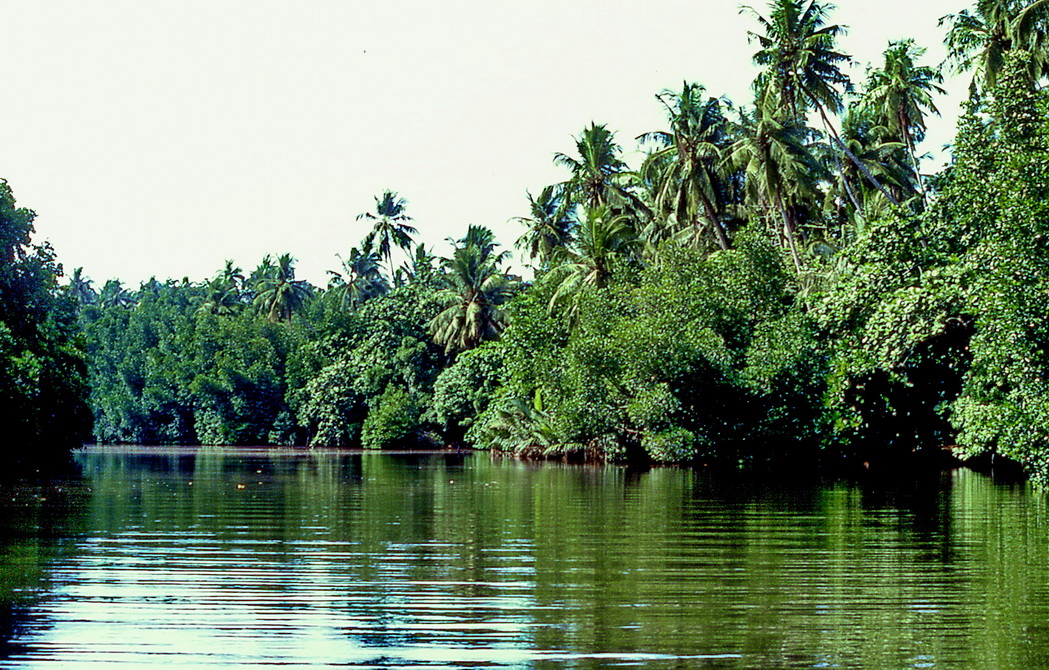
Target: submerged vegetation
776 282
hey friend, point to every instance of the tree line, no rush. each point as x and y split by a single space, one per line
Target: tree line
776 282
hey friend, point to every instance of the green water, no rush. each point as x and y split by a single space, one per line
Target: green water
226 559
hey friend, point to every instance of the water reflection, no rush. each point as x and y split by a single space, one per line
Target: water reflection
325 560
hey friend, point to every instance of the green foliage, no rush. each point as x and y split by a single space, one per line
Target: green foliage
760 291
383 348
464 389
172 370
941 316
393 421
701 355
331 407
43 375
474 289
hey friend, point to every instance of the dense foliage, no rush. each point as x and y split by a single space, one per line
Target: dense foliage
776 282
43 371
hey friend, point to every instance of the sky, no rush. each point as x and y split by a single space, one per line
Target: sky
161 138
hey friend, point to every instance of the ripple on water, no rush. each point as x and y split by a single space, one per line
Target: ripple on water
365 563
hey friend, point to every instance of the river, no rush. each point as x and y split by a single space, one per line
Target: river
241 559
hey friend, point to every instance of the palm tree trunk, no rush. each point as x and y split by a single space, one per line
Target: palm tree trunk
860 166
848 186
917 169
788 232
719 232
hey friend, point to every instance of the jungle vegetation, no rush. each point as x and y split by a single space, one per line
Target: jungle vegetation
777 282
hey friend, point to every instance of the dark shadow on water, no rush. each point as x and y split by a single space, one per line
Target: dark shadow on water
42 512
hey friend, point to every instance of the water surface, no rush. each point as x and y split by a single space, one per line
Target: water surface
218 558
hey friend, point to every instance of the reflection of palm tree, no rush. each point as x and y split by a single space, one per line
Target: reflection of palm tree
80 288
390 227
475 290
686 172
278 294
549 225
360 279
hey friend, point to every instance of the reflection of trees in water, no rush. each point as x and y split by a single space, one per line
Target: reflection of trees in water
40 522
585 559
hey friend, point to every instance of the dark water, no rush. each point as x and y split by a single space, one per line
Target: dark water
218 559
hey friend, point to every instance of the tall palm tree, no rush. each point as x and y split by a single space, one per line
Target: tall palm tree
599 175
978 40
1030 31
884 156
233 275
223 291
483 239
265 268
220 298
549 225
686 171
802 67
799 55
900 93
781 172
113 294
421 267
360 279
475 289
390 225
604 237
278 294
80 288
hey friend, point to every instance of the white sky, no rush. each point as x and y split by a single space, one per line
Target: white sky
161 138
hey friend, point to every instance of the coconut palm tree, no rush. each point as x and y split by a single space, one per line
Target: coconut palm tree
801 67
978 39
603 238
421 267
233 275
360 279
390 225
483 239
1030 31
781 171
599 176
221 298
278 294
799 56
900 94
884 156
475 289
549 225
113 294
80 288
223 291
686 171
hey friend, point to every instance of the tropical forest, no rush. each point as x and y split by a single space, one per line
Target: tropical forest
778 283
